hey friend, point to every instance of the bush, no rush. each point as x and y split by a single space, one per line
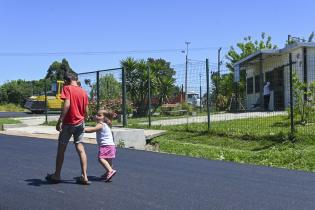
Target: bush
304 98
114 105
221 102
186 106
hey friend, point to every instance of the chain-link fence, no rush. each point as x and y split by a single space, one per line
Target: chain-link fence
181 102
273 97
106 90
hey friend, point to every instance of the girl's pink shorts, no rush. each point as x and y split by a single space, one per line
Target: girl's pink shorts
107 151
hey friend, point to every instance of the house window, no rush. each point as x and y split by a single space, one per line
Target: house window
257 83
249 85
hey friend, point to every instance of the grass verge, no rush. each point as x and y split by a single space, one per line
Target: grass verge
11 108
261 141
7 121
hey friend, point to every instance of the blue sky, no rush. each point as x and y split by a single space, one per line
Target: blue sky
114 25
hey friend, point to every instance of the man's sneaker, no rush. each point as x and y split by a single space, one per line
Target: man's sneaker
110 175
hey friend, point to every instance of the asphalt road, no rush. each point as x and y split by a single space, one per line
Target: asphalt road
23 114
145 180
16 114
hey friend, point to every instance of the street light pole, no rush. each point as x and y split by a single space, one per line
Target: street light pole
186 72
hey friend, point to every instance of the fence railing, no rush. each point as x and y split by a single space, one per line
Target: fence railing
274 99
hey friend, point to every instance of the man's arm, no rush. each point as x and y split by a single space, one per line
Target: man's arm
63 114
86 111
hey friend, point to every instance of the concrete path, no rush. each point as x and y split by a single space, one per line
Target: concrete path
145 180
32 127
215 118
36 120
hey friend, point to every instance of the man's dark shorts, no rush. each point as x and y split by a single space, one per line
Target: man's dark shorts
77 131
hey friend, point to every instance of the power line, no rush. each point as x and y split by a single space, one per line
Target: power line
92 53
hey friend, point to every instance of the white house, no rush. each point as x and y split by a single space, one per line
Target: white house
273 66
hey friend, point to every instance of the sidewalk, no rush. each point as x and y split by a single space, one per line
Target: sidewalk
129 138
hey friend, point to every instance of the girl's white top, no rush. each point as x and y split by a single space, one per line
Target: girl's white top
104 136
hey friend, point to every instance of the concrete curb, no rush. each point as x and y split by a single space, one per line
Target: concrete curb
123 137
8 126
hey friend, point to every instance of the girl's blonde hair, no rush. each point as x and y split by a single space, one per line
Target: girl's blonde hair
107 114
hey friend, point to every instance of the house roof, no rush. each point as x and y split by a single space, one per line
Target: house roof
274 52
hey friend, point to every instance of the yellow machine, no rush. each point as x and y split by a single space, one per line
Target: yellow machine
36 104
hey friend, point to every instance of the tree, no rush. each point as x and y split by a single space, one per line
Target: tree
162 81
247 48
18 91
56 70
136 83
110 88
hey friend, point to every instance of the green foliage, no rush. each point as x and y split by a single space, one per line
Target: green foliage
10 108
8 121
248 47
300 39
186 106
18 91
242 50
57 70
162 81
262 141
221 102
110 88
304 99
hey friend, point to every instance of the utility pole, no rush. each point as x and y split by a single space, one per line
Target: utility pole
186 72
219 65
219 59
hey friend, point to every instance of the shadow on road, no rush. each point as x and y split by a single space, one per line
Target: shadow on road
40 182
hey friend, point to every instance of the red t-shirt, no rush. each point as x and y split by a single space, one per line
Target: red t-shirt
78 102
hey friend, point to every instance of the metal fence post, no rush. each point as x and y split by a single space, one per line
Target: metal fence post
149 95
208 93
291 96
98 90
124 94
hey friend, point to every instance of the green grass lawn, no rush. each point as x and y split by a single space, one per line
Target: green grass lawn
7 121
11 108
262 141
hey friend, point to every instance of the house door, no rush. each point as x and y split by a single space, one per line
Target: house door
278 88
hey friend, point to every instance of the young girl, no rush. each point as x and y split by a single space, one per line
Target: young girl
104 138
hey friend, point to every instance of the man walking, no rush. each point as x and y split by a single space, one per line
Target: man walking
71 123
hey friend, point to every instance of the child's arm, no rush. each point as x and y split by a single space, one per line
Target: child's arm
93 129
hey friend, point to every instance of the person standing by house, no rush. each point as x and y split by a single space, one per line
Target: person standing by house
71 123
266 96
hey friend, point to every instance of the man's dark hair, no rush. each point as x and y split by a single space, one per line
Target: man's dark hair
70 77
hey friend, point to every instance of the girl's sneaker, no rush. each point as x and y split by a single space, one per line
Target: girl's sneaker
110 175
